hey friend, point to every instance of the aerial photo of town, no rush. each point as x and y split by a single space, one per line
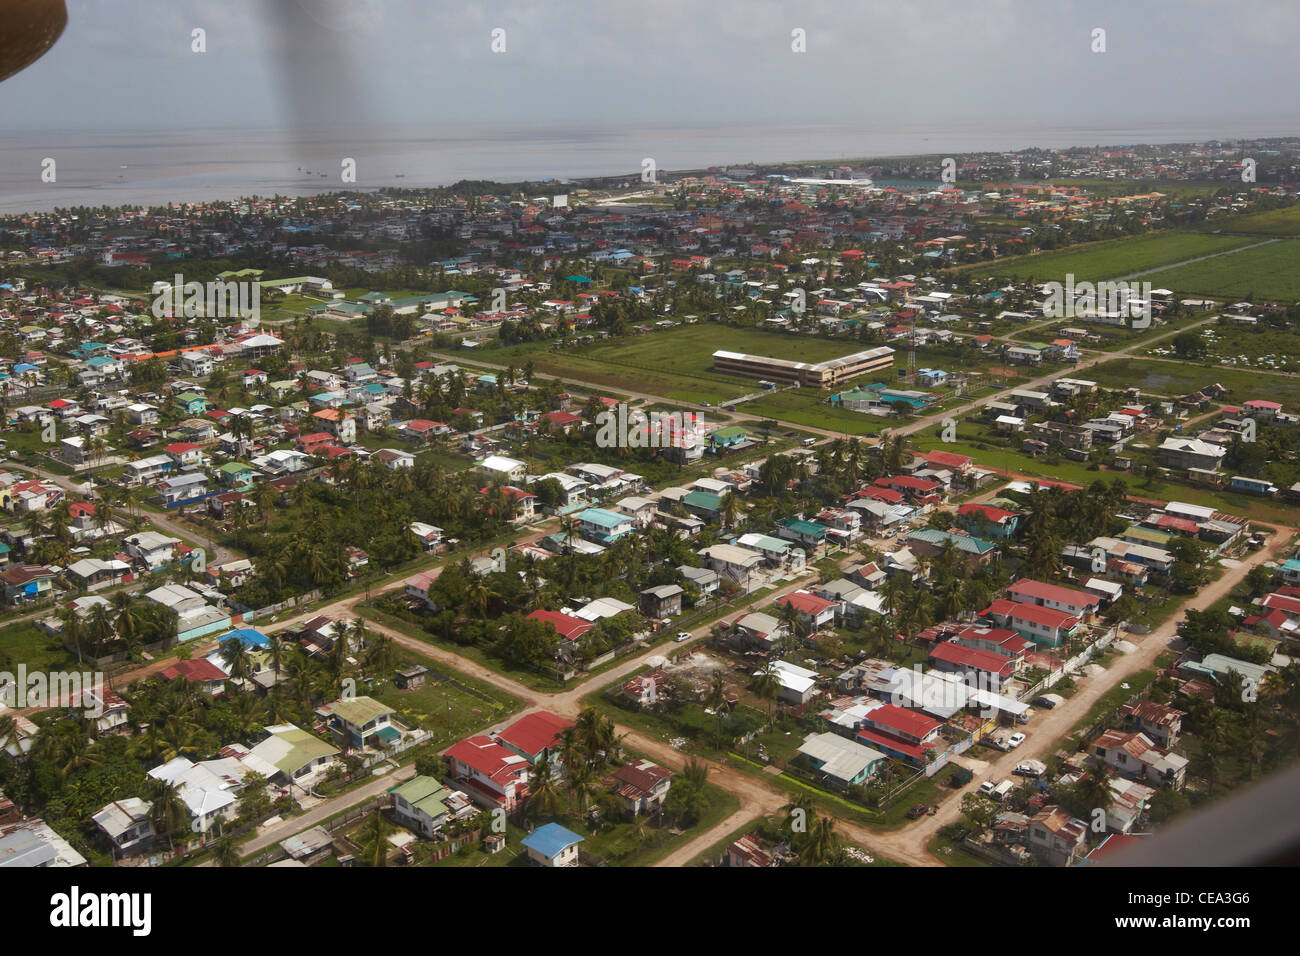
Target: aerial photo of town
925 506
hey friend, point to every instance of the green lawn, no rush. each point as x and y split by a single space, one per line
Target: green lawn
25 643
448 711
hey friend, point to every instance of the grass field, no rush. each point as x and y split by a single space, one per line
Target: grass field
450 706
1180 378
1097 261
676 364
1276 222
1269 271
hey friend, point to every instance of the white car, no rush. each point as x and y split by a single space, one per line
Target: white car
1015 740
684 636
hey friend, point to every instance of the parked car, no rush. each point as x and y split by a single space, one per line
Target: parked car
682 636
1048 701
1015 740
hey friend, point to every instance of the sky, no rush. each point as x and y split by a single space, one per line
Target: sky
129 64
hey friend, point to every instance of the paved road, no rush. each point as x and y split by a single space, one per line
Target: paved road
323 811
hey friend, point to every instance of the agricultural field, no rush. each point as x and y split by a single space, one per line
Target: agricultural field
1282 223
1270 271
1093 262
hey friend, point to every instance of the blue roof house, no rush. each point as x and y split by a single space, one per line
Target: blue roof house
552 845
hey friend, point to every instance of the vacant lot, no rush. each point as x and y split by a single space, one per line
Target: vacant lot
1098 261
1181 378
1269 271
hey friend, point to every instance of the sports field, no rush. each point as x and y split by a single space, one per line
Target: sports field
677 364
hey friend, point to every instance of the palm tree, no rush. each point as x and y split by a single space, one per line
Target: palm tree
168 812
224 852
373 839
235 656
766 685
714 698
543 790
821 846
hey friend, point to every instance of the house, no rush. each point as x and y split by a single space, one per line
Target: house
901 733
662 601
210 797
752 851
643 785
741 566
126 825
506 470
1134 754
1190 453
210 678
1042 625
840 760
295 754
362 722
425 805
707 581
34 842
566 625
534 736
814 611
797 685
417 588
1130 801
989 669
154 549
1160 723
758 630
493 776
27 582
987 521
1057 838
552 845
603 527
185 454
1077 603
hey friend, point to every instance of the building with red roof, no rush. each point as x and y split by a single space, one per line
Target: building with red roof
492 775
1077 603
534 735
957 659
566 625
987 521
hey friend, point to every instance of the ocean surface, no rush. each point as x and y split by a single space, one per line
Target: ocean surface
155 167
